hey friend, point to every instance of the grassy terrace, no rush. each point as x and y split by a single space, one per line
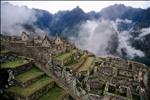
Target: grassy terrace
99 59
13 64
55 93
32 88
29 75
4 51
83 56
65 56
78 63
87 64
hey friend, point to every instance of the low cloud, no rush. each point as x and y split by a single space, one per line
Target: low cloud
125 46
103 38
123 21
12 17
95 36
144 32
16 19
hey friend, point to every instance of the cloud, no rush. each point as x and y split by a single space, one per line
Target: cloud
98 36
125 46
144 32
103 38
123 21
95 36
13 18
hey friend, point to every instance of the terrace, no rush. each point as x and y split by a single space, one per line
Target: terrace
38 85
29 75
55 93
77 63
14 64
87 65
65 56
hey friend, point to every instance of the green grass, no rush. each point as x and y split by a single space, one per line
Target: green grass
77 63
29 75
87 64
24 92
83 56
55 93
13 64
65 56
71 61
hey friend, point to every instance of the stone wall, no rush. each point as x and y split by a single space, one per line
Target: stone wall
71 81
21 68
27 83
41 92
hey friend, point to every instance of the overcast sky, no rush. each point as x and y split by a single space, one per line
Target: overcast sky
54 6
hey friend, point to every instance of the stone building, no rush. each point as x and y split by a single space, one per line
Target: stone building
29 43
15 38
38 41
25 36
46 42
59 43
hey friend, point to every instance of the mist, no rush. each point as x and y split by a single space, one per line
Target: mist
125 48
144 32
13 18
95 36
102 38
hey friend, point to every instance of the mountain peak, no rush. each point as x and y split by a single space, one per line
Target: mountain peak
114 11
77 8
118 5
